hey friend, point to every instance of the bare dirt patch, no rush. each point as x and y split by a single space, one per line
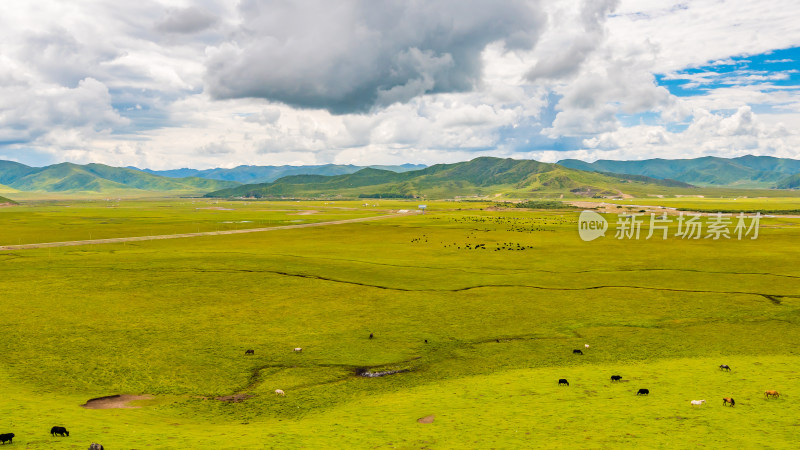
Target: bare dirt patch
304 213
235 398
115 401
599 206
426 419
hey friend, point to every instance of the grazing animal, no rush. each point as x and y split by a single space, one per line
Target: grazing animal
728 401
725 367
250 352
96 447
426 341
280 392
697 402
643 392
768 394
6 437
371 335
61 431
298 349
616 377
577 352
586 345
563 381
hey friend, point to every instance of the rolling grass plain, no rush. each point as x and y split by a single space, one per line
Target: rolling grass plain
172 319
56 221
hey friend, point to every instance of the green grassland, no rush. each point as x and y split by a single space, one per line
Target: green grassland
55 221
172 319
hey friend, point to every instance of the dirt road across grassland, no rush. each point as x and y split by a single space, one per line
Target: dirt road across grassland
188 235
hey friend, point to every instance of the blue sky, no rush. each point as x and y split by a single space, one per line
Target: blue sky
212 83
779 69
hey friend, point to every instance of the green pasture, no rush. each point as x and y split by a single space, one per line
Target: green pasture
54 221
173 318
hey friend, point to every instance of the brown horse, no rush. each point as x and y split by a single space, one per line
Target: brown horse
728 401
768 394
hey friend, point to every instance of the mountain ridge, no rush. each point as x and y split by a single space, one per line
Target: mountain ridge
97 178
250 174
480 176
743 171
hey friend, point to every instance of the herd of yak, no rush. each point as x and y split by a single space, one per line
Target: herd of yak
55 431
729 401
61 431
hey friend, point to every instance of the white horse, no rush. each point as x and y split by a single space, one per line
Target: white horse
697 402
586 345
298 349
280 392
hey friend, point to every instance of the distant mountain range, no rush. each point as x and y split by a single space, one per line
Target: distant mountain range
266 174
101 179
745 171
96 178
481 176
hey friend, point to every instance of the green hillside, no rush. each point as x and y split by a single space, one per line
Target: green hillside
98 178
11 171
481 176
4 200
790 182
745 171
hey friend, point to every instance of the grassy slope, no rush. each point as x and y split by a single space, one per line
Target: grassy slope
406 281
145 181
7 189
790 182
10 171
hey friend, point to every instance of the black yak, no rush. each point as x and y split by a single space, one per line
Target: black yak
61 431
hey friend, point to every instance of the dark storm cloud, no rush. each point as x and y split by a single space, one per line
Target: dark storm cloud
356 55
